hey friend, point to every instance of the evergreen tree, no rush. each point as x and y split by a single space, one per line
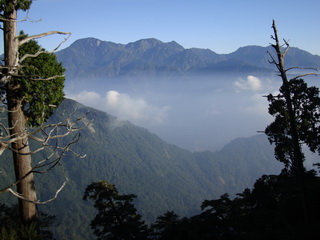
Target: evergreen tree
41 83
297 121
16 117
306 109
31 85
117 217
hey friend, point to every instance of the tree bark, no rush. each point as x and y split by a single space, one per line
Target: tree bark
17 123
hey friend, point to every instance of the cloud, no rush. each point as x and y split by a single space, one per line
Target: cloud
136 110
251 84
88 98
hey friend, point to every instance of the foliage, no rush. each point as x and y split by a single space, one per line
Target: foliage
136 160
117 218
7 6
306 106
11 227
271 210
38 94
164 225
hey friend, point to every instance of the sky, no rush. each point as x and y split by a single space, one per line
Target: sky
221 109
220 25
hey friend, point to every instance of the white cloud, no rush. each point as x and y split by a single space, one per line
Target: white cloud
252 84
136 110
88 98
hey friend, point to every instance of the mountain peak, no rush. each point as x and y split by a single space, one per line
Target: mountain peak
87 41
144 43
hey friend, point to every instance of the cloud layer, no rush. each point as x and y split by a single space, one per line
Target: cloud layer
252 83
125 107
196 115
136 110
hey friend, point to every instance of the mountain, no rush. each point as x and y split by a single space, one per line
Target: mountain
163 176
93 59
258 56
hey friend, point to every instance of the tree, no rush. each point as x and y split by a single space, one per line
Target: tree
165 226
31 86
297 120
12 228
117 217
305 104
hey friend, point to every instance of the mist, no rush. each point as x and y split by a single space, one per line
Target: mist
196 113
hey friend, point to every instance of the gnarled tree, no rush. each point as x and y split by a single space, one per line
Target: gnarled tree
31 86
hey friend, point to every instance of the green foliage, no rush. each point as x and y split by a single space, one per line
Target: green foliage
12 229
165 225
117 218
39 96
306 107
271 210
8 6
136 161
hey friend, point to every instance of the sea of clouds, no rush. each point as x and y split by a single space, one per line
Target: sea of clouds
198 114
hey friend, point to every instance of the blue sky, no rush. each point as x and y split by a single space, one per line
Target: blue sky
220 25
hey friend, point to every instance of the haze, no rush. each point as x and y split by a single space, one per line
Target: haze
198 113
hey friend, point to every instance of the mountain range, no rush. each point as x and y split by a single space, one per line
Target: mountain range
163 176
94 59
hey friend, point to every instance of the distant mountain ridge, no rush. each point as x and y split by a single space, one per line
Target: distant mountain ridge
94 58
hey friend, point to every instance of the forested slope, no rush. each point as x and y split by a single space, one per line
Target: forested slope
163 176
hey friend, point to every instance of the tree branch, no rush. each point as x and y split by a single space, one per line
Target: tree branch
23 41
38 202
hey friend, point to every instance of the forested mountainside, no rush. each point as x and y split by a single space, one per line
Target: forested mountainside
94 59
163 176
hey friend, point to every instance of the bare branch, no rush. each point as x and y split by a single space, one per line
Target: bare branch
23 41
42 51
286 49
38 78
31 55
303 75
38 202
301 68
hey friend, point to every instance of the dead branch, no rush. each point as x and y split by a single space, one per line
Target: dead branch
31 56
301 68
14 193
23 41
303 75
50 132
39 78
42 51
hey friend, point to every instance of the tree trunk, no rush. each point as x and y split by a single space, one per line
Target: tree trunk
298 157
17 124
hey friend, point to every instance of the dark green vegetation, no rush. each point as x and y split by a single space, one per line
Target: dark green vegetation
271 210
163 176
42 82
283 206
11 227
117 217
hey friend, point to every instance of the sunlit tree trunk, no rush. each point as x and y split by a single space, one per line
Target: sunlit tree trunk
17 122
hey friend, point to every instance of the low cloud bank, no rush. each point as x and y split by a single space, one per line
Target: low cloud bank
252 83
125 107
